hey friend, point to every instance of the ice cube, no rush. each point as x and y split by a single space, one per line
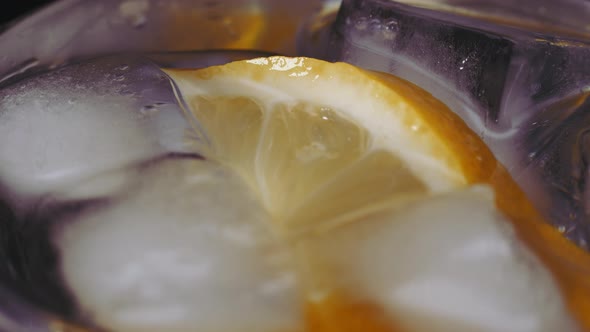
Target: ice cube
80 120
448 263
188 248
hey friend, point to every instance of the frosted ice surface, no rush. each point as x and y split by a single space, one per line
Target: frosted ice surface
189 247
449 263
78 121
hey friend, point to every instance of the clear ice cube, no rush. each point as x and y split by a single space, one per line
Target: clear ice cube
188 246
447 263
78 121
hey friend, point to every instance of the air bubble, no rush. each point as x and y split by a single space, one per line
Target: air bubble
390 30
150 109
362 24
375 25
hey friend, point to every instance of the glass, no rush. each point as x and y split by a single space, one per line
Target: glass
519 78
517 73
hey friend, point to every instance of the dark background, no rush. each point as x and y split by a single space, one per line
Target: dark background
14 9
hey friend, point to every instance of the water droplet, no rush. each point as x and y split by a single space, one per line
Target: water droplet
561 228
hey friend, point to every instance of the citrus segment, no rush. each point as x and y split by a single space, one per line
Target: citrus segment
231 136
300 148
364 187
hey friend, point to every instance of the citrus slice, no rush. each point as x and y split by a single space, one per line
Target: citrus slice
285 136
346 162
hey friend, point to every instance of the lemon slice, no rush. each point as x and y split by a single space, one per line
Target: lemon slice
339 156
328 157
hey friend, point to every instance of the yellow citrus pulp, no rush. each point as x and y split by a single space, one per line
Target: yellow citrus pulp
325 146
